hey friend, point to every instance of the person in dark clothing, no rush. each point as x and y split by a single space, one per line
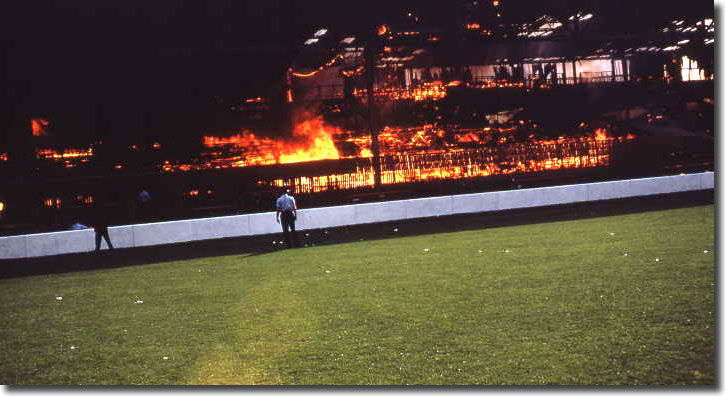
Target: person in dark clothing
287 211
100 226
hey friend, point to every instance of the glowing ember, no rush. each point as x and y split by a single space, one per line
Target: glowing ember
69 153
430 90
38 126
52 203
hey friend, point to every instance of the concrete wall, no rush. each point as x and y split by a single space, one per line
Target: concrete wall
54 243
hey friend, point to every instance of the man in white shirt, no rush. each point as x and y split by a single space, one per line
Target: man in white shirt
287 211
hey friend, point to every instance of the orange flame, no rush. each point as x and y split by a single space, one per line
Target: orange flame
600 134
459 164
420 153
38 126
311 141
67 153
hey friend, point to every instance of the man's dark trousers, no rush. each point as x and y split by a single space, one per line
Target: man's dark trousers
102 231
288 226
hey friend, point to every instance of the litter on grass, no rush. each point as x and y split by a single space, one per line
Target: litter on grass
59 298
426 250
139 301
507 251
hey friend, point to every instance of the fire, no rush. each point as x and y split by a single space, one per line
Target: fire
408 154
86 199
66 154
436 90
426 91
411 156
366 153
462 164
311 141
38 126
600 134
52 203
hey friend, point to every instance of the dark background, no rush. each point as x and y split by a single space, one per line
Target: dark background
139 70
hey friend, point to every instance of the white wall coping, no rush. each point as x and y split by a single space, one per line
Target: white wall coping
161 233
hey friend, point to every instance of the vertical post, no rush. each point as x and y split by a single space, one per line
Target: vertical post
370 72
522 74
614 70
289 85
576 34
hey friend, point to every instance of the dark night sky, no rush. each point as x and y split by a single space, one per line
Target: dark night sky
146 68
96 68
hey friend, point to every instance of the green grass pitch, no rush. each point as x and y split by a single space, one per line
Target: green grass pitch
626 299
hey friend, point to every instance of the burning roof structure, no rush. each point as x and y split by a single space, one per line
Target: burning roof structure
412 62
564 49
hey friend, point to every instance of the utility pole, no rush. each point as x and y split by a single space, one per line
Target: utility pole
370 50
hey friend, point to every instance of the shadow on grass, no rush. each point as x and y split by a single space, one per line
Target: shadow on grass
256 245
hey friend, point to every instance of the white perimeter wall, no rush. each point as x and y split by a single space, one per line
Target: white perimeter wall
35 245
